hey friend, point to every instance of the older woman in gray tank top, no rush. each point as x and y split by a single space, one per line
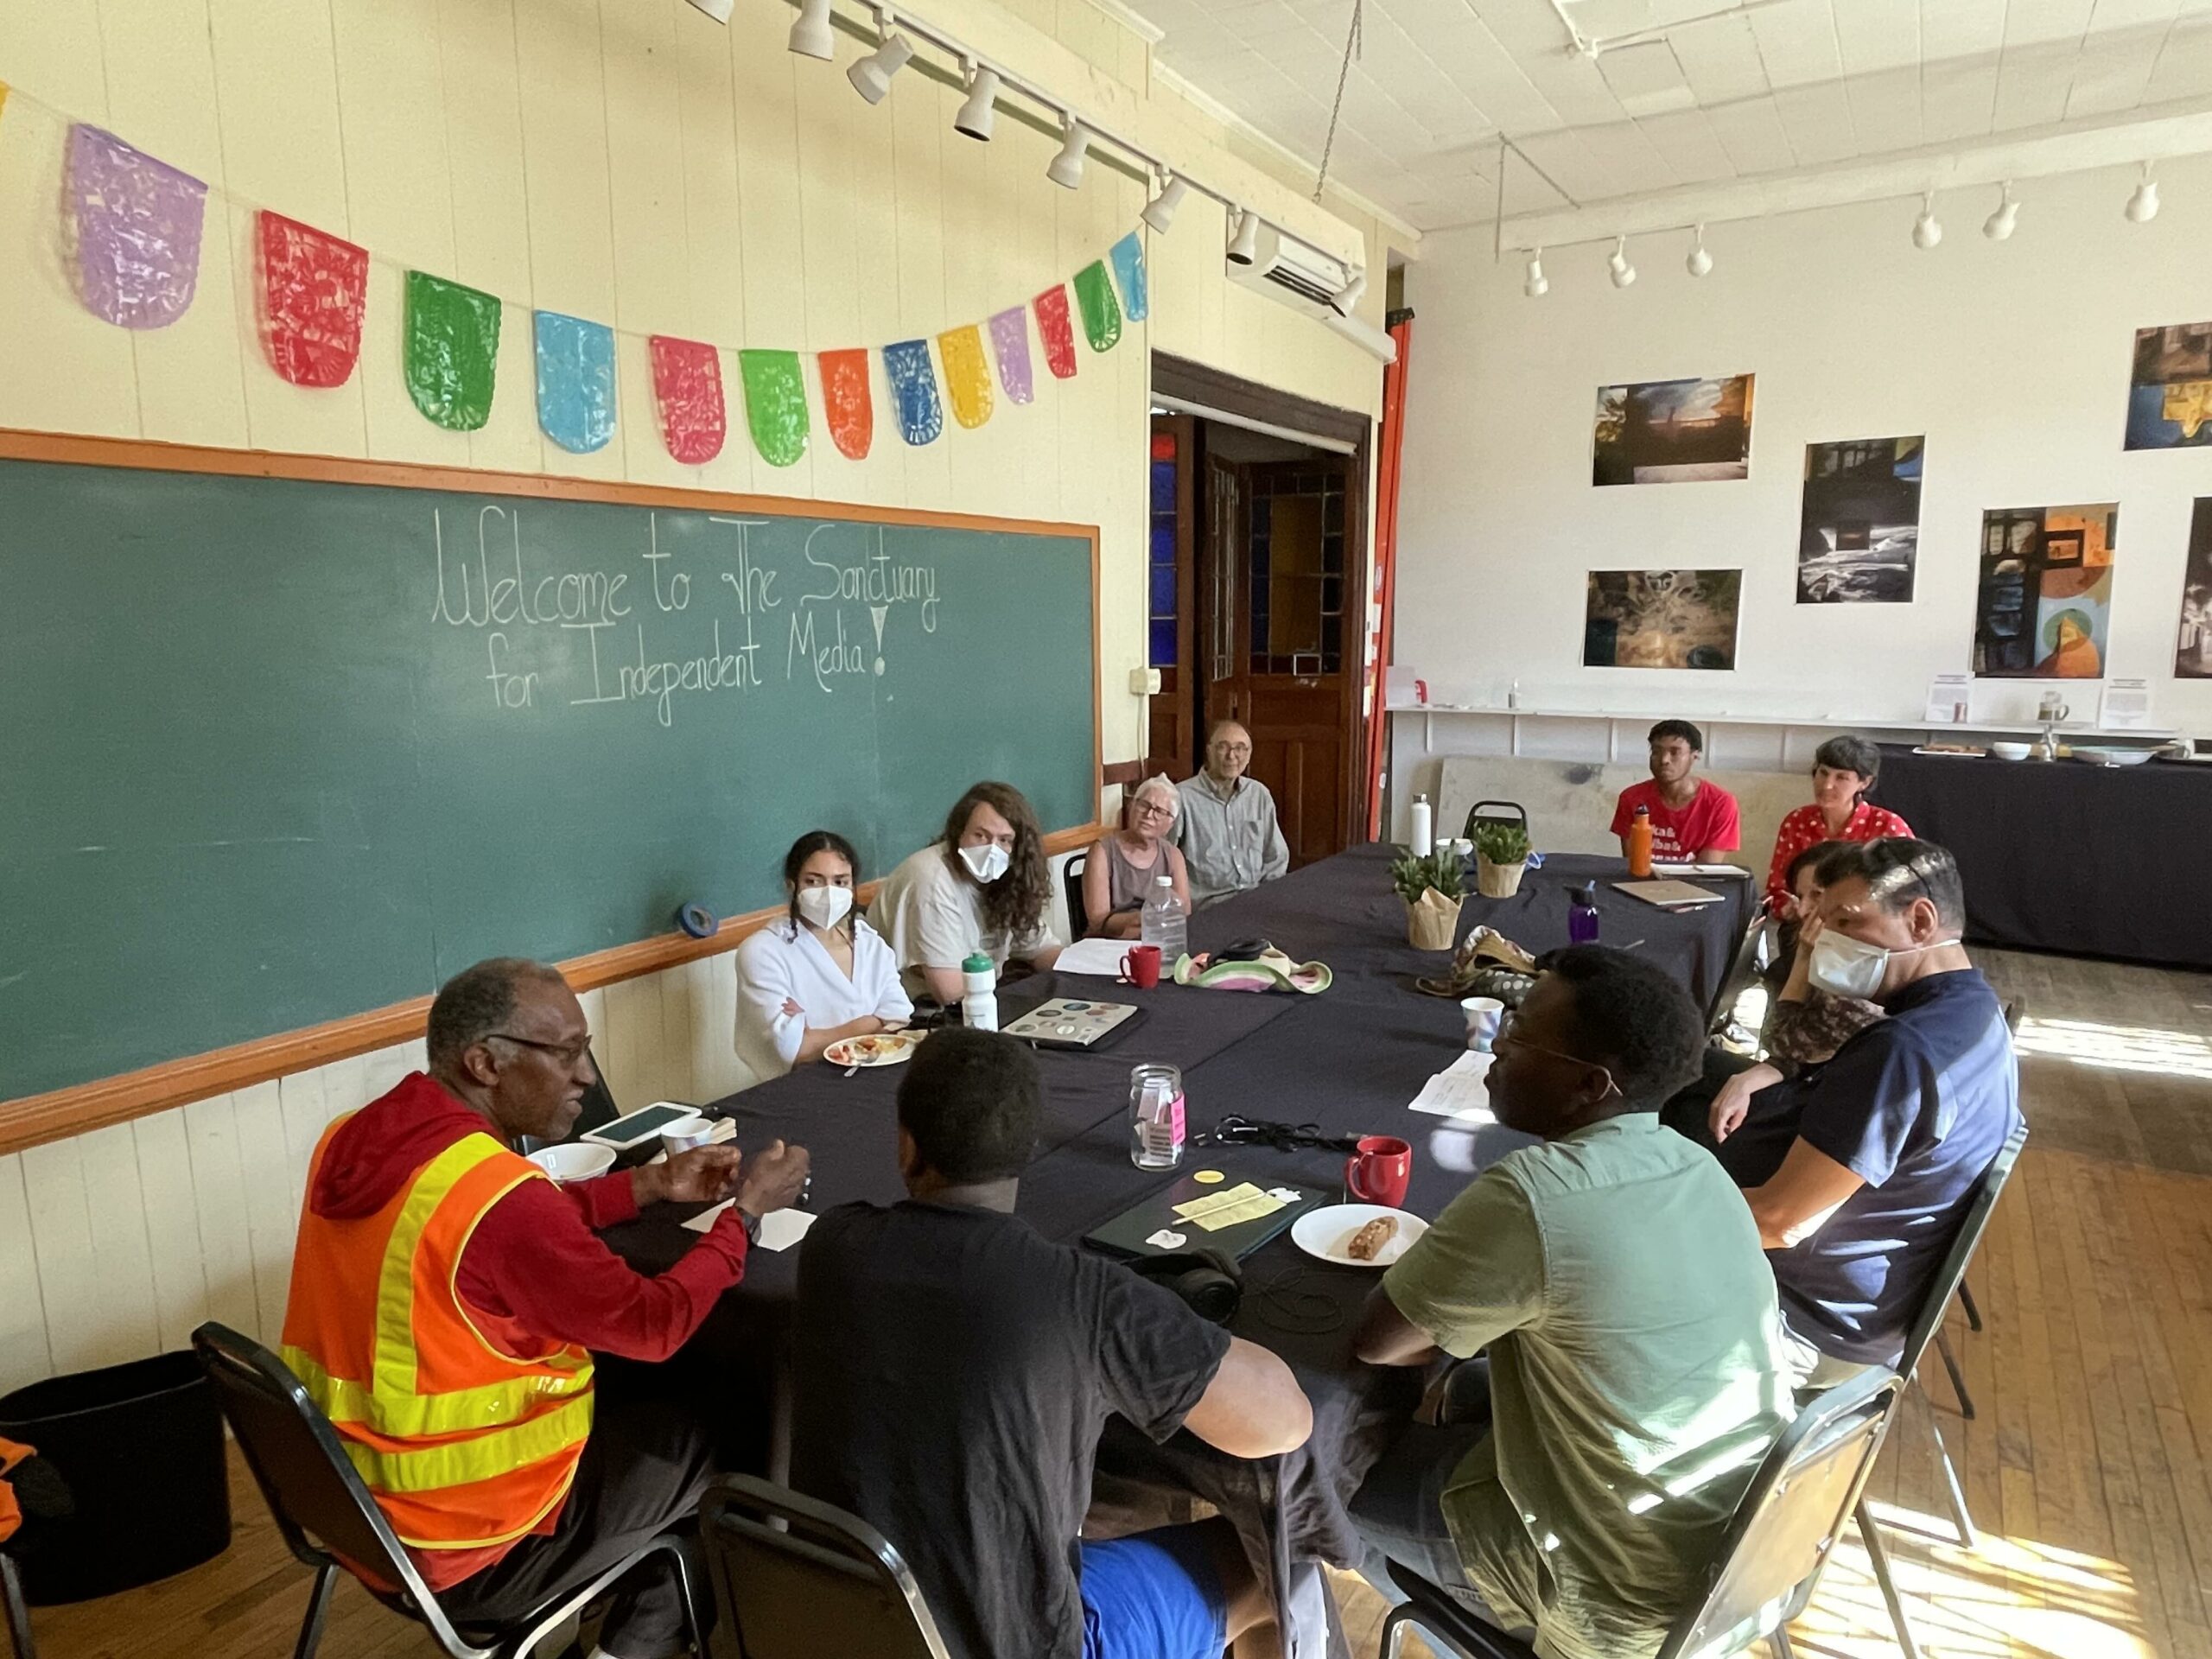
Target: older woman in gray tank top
1123 868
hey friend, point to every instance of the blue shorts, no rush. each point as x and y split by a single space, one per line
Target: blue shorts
1154 1596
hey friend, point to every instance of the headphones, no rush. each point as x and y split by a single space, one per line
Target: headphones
1209 1281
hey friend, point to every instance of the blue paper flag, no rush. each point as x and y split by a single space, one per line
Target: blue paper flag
914 384
1128 256
575 381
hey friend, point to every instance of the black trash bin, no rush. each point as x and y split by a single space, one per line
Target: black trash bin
141 1447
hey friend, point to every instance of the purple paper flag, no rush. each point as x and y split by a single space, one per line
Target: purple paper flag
1010 344
137 225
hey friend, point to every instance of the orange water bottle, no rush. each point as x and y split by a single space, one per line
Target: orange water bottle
1639 843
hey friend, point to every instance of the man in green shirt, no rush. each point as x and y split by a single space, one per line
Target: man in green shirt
1615 1276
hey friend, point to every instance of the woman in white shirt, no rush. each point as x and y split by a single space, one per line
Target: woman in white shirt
820 975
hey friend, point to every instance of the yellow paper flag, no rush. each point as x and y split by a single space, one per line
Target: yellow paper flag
967 374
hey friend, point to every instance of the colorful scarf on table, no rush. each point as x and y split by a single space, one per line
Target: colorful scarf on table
1269 971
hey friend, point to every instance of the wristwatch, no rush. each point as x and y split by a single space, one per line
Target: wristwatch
752 1224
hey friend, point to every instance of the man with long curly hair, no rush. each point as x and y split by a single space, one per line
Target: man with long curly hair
982 886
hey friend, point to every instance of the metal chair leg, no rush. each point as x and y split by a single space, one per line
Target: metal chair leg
1779 1641
19 1613
1878 1555
1960 1518
326 1579
1966 1302
1393 1632
1958 1382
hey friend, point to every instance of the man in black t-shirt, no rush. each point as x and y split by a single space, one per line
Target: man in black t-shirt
954 1372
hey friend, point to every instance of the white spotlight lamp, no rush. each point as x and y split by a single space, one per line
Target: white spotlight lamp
1926 230
1538 284
1617 264
1244 247
1160 212
2143 205
871 76
1066 169
1699 263
810 34
717 10
1346 299
2000 225
980 108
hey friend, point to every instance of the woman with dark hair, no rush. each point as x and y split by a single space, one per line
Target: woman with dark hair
982 886
1844 769
821 974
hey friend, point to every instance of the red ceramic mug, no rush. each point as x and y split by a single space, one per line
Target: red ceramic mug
1141 966
1379 1171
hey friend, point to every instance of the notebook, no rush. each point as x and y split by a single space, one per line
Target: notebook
1669 894
1070 1022
1234 1215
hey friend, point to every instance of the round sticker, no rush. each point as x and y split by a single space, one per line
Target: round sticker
1208 1177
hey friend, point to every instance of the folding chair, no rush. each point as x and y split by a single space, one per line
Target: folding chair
330 1522
1071 885
1770 1560
797 1579
1514 814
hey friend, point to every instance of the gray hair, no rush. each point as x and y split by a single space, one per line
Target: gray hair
477 1002
1161 785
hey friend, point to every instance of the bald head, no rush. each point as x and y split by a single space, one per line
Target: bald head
1229 752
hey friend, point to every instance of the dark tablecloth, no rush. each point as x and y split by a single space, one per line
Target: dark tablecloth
2060 855
1351 1060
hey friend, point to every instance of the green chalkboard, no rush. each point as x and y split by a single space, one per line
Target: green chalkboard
275 751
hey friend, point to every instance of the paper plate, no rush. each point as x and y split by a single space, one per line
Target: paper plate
884 1048
1325 1233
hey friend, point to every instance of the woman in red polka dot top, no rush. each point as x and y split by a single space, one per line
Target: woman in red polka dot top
1844 769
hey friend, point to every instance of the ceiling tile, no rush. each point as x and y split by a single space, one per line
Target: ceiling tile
1752 134
1818 121
1886 110
1690 144
1797 40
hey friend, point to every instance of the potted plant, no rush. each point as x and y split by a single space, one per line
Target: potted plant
1430 888
1501 856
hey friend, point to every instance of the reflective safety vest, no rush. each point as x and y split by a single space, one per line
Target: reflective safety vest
465 1446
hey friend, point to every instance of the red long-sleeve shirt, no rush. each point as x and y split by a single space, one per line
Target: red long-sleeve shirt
534 1272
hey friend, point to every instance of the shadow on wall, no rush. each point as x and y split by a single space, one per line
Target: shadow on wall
1570 803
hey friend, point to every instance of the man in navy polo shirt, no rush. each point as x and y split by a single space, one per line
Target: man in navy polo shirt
1859 1171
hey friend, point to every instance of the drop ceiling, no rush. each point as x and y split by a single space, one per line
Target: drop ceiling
1678 91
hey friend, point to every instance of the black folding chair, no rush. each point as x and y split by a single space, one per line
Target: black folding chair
1072 884
1768 1560
1514 814
330 1522
18 1611
794 1578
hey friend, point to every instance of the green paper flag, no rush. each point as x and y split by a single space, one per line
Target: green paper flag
453 347
775 404
1102 315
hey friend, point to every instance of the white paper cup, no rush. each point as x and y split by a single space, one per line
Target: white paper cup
685 1133
1483 1015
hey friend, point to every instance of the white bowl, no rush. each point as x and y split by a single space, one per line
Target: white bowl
2098 755
2011 750
577 1161
685 1133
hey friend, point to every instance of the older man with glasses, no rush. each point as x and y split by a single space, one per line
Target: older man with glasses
1229 831
1858 1171
447 1299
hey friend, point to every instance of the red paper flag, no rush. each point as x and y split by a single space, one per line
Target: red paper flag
1053 323
846 401
314 289
688 385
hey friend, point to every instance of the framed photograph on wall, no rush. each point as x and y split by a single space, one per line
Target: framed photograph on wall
1673 432
2193 646
1859 538
2043 611
1662 619
2170 391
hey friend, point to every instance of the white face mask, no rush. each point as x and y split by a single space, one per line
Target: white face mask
986 863
825 906
1843 966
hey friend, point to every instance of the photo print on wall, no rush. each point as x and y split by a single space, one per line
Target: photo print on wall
1662 619
1859 536
1673 432
2169 393
2193 648
2044 608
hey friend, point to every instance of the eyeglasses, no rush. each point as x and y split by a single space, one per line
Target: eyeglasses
1508 1040
566 1053
1149 809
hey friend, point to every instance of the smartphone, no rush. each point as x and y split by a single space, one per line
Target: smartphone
642 1125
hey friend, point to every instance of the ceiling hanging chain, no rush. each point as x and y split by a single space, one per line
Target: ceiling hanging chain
1337 110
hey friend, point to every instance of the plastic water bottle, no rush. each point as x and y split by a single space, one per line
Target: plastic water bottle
1582 915
979 1004
1161 921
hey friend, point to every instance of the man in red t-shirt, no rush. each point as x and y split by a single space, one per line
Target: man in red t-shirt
1693 821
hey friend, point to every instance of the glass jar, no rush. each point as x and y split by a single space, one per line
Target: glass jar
1156 1116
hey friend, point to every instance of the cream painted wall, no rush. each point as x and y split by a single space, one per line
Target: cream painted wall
2012 358
627 161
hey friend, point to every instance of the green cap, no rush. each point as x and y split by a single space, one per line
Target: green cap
978 963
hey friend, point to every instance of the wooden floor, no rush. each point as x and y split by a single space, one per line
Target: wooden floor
2085 1467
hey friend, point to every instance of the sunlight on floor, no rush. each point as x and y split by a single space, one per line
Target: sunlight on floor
2118 1048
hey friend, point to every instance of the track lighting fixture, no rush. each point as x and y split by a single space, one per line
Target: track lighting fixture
1617 264
717 10
1160 212
1244 247
810 34
1376 343
1538 284
2143 205
1699 263
1926 230
2001 224
981 108
1346 299
1066 169
871 76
